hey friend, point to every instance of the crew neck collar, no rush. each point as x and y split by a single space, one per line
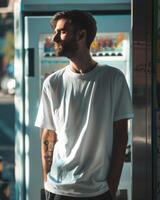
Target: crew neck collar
79 75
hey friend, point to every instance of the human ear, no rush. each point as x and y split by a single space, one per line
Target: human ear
81 34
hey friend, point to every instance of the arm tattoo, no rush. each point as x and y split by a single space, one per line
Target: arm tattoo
48 148
48 140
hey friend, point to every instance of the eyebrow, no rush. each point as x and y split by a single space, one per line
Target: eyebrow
67 29
61 29
57 30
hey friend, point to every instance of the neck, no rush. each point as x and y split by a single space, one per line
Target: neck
82 64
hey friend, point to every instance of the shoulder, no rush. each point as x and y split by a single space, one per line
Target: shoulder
53 79
111 72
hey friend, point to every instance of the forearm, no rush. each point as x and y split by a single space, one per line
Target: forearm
118 155
48 140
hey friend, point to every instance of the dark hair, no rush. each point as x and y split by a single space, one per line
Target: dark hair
80 20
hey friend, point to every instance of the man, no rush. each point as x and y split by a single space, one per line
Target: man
83 114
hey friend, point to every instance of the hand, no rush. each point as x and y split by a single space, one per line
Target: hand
112 194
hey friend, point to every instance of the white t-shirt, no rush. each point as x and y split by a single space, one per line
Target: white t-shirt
81 109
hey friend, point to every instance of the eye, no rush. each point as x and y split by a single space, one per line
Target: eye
63 31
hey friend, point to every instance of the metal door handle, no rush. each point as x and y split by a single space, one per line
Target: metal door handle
29 62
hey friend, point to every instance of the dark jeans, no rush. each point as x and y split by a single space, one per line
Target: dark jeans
51 196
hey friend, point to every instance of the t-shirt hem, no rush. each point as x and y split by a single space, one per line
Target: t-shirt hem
125 116
44 126
72 194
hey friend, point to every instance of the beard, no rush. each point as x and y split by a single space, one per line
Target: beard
66 49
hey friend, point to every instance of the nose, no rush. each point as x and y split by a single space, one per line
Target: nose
56 37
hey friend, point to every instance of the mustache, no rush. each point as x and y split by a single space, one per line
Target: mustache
57 44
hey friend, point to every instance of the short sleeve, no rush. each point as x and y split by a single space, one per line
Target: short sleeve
123 108
44 117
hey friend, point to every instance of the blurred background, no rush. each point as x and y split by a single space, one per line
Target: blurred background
7 111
